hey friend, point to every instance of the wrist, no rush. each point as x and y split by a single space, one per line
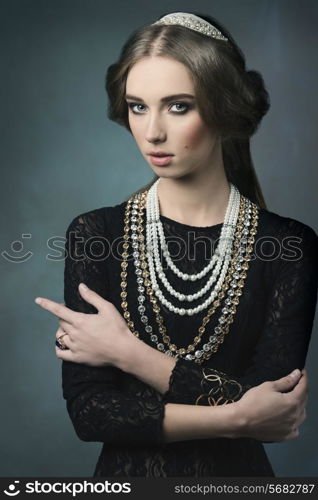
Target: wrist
125 357
146 363
240 420
236 423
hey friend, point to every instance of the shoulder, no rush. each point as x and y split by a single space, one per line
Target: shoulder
98 220
275 225
288 243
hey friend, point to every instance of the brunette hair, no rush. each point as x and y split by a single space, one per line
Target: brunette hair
230 99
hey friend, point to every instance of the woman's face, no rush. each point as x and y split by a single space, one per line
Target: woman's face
161 120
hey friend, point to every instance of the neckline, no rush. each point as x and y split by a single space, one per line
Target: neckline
181 225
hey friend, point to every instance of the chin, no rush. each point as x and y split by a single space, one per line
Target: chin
185 176
167 172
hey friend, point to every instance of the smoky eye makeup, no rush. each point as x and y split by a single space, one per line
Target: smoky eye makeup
185 107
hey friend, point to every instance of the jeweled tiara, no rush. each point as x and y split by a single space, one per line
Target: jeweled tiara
192 22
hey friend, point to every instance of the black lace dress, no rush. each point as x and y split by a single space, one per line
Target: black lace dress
268 339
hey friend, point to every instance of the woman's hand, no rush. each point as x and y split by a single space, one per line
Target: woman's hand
272 414
93 339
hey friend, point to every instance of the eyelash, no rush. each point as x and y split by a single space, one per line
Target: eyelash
184 104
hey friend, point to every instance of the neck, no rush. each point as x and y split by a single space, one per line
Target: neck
199 199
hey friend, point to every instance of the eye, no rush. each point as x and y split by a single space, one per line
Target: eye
135 107
183 105
131 105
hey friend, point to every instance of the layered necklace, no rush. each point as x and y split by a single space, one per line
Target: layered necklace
226 273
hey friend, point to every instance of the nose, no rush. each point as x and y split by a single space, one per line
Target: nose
155 130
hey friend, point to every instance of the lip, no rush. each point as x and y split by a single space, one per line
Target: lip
159 153
161 160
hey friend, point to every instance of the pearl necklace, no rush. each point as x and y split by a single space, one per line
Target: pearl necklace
153 218
246 229
221 256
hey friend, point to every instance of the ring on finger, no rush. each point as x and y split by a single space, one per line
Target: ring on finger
60 337
60 344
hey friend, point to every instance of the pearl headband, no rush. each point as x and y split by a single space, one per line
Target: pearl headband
192 22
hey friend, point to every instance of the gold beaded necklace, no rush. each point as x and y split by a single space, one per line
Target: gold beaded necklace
242 264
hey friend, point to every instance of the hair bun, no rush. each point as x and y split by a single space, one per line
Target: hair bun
258 91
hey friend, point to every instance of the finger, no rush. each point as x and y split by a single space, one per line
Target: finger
300 391
294 433
92 297
67 355
302 386
57 309
305 376
59 332
67 327
64 339
304 401
302 417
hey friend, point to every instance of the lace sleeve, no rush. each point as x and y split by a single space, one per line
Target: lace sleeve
99 408
283 343
191 384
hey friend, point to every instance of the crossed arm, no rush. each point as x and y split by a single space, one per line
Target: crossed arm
173 400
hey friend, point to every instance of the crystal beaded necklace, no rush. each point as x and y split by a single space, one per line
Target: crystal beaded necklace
239 227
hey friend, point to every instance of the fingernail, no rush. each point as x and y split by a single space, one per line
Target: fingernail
295 373
38 300
83 287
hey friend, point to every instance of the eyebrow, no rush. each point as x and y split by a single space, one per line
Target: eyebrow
168 98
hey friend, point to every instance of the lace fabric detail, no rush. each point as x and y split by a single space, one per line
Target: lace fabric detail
99 407
269 338
191 384
289 308
218 389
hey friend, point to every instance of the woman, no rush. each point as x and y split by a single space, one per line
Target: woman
175 377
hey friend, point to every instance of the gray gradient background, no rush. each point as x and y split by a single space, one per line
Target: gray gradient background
60 156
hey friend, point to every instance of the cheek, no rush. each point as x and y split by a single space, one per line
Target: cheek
194 136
